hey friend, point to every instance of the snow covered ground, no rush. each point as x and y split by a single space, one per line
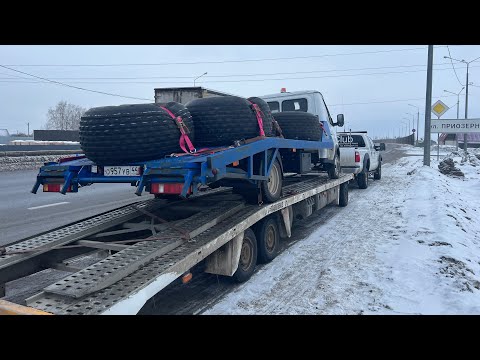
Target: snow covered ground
39 142
409 244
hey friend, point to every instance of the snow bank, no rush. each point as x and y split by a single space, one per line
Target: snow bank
409 244
39 142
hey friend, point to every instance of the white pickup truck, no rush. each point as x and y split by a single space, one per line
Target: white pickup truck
360 156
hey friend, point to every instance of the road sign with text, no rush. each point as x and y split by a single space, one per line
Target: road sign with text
451 126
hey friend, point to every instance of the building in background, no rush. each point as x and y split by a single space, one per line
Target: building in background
184 94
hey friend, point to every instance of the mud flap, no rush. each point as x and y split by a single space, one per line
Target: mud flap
224 261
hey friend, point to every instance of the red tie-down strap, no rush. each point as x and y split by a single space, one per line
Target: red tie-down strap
323 128
184 139
258 113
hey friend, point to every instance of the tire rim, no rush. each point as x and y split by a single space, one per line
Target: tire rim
246 254
274 179
270 239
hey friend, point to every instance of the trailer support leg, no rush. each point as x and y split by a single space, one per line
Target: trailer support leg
68 181
36 186
141 185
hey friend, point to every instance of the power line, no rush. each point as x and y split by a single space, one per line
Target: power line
450 55
236 81
222 61
71 86
388 101
239 75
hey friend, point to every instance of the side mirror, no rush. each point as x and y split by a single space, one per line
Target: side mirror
382 146
340 120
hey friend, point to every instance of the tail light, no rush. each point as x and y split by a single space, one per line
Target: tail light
357 156
168 188
54 188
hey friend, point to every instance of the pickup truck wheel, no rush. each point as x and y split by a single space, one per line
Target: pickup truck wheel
272 188
343 195
248 257
268 238
362 180
334 169
378 173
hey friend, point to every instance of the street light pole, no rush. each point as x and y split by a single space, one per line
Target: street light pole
466 112
418 119
428 106
205 73
458 108
466 95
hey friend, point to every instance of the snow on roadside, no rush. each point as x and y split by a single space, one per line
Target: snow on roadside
12 163
409 244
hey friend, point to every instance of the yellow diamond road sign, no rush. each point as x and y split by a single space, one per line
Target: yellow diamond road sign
439 108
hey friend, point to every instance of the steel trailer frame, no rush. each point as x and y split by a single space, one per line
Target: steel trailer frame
191 170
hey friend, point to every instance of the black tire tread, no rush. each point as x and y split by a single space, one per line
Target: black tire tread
132 133
221 120
299 125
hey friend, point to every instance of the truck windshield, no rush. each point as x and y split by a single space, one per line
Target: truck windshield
347 140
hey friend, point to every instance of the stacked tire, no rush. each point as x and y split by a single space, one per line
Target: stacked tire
299 125
132 133
220 121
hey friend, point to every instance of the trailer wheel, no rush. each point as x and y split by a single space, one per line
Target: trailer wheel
268 238
343 194
248 257
272 188
378 173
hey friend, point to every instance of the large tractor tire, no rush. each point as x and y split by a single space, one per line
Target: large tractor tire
222 120
116 135
299 125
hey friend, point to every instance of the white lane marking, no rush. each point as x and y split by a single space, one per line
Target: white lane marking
48 205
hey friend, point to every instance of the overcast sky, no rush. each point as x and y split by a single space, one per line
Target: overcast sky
394 76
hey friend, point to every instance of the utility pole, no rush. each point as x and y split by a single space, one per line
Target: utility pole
428 110
28 129
466 112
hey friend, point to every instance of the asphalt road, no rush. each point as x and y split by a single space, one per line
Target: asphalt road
24 214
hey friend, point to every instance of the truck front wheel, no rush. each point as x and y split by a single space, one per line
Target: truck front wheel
248 257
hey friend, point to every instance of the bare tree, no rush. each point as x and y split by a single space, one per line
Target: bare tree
64 116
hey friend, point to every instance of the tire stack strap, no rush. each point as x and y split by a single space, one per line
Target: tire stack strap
323 128
184 139
258 113
277 128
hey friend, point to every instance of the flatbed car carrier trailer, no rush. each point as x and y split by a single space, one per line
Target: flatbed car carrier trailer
150 244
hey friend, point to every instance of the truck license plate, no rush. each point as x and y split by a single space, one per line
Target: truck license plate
120 170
